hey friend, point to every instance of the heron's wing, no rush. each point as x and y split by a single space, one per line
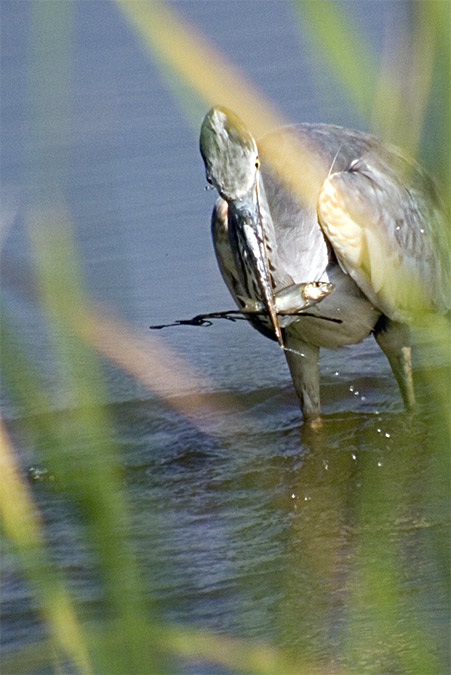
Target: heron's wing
386 228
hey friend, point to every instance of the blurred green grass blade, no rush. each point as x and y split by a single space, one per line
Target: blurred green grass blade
49 70
403 82
436 146
77 450
189 55
22 523
384 625
434 344
186 647
87 461
392 96
192 60
338 42
406 84
48 66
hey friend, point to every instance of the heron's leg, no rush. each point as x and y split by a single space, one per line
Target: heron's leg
394 340
302 359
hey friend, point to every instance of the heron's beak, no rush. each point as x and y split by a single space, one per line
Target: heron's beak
252 258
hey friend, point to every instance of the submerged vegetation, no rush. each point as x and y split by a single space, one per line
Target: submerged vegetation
378 627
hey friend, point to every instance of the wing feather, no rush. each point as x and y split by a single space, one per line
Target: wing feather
386 227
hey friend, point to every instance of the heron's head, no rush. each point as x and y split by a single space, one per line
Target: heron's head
229 152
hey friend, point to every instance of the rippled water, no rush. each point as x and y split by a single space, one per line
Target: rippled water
245 522
255 528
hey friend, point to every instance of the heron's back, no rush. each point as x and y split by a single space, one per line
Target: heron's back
411 221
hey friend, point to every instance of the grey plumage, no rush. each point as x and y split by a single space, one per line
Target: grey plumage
371 223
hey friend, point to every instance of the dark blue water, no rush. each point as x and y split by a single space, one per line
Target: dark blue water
253 524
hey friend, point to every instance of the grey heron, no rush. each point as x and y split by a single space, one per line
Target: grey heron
356 214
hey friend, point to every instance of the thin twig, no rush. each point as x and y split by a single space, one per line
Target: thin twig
232 315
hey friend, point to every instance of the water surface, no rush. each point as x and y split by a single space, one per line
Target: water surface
245 524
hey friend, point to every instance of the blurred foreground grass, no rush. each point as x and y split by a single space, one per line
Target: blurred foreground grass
130 638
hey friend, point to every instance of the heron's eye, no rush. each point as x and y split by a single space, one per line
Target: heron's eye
257 163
